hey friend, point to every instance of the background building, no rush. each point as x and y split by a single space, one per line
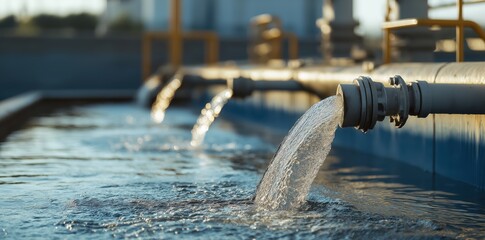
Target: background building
229 18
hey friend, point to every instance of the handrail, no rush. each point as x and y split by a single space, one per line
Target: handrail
447 5
407 23
459 24
211 47
175 36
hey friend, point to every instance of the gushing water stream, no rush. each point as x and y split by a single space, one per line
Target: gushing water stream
164 98
295 165
208 115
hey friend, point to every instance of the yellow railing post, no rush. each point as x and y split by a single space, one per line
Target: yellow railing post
146 57
387 48
212 49
292 45
176 45
459 24
175 37
460 38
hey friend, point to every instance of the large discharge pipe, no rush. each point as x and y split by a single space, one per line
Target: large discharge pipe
366 101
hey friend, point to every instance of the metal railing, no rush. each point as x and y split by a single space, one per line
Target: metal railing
270 33
459 24
447 5
211 40
176 36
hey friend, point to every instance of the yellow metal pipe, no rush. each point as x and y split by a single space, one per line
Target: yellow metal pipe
447 5
211 46
400 24
292 45
387 46
212 49
175 36
406 23
458 24
460 38
176 46
476 28
146 56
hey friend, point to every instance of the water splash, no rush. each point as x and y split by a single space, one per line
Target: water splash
295 165
164 98
208 115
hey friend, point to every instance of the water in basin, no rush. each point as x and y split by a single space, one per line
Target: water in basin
100 171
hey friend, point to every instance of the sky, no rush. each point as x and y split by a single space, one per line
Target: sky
64 7
58 7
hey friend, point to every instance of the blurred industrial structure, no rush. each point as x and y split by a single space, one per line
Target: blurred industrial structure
229 18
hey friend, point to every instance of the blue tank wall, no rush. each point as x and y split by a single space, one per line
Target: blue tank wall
88 62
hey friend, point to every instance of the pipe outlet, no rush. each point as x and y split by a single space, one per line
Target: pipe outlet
366 101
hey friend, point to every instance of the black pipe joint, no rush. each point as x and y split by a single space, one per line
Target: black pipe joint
366 102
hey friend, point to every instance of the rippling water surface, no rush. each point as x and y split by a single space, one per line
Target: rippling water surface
106 170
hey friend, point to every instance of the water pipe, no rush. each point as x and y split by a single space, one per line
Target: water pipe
366 101
194 81
244 87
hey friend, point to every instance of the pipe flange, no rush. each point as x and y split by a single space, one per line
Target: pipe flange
369 103
415 98
400 119
426 101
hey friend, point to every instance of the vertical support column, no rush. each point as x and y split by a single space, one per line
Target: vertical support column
387 46
460 38
343 12
337 26
146 55
292 46
328 13
176 45
392 14
420 42
413 9
212 49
